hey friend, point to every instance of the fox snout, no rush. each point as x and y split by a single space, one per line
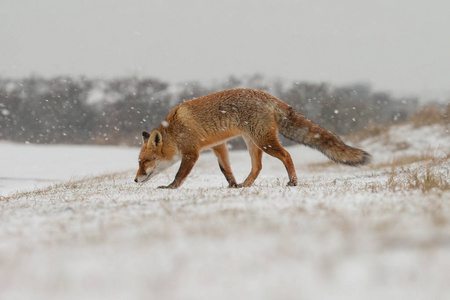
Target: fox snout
142 175
141 178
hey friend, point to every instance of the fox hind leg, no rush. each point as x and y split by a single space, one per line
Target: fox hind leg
271 146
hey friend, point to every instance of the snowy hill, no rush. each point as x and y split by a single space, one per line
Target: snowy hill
378 232
406 140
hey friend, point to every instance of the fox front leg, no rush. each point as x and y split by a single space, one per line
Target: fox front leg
187 163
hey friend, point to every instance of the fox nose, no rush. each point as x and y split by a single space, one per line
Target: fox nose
135 180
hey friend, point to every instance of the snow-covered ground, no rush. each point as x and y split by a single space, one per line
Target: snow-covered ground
343 233
28 166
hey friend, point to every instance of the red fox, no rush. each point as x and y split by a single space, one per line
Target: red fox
209 121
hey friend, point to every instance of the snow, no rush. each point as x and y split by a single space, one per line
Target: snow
28 166
433 140
341 234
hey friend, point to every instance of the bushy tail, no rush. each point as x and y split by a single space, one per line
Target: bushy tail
301 130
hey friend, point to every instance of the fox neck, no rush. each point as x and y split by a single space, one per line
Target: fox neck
170 151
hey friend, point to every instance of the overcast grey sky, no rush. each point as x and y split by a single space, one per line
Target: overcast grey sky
401 46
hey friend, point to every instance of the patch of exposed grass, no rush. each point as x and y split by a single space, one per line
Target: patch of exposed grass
428 180
373 130
321 166
396 162
428 177
429 115
408 173
406 160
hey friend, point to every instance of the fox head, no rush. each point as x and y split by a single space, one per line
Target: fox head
152 159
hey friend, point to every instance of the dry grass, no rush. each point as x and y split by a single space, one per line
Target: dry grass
427 177
395 162
372 130
407 173
428 180
431 114
321 166
404 160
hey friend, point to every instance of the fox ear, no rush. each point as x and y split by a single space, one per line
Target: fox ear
155 140
145 136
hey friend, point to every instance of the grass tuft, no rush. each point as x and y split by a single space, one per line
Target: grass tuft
428 180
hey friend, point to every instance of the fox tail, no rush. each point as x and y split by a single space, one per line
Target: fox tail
300 129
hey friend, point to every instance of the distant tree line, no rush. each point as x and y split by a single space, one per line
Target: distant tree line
115 111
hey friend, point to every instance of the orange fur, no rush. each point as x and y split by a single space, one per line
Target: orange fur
209 121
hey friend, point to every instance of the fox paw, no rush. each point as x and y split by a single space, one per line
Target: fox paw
242 185
167 187
292 183
233 185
